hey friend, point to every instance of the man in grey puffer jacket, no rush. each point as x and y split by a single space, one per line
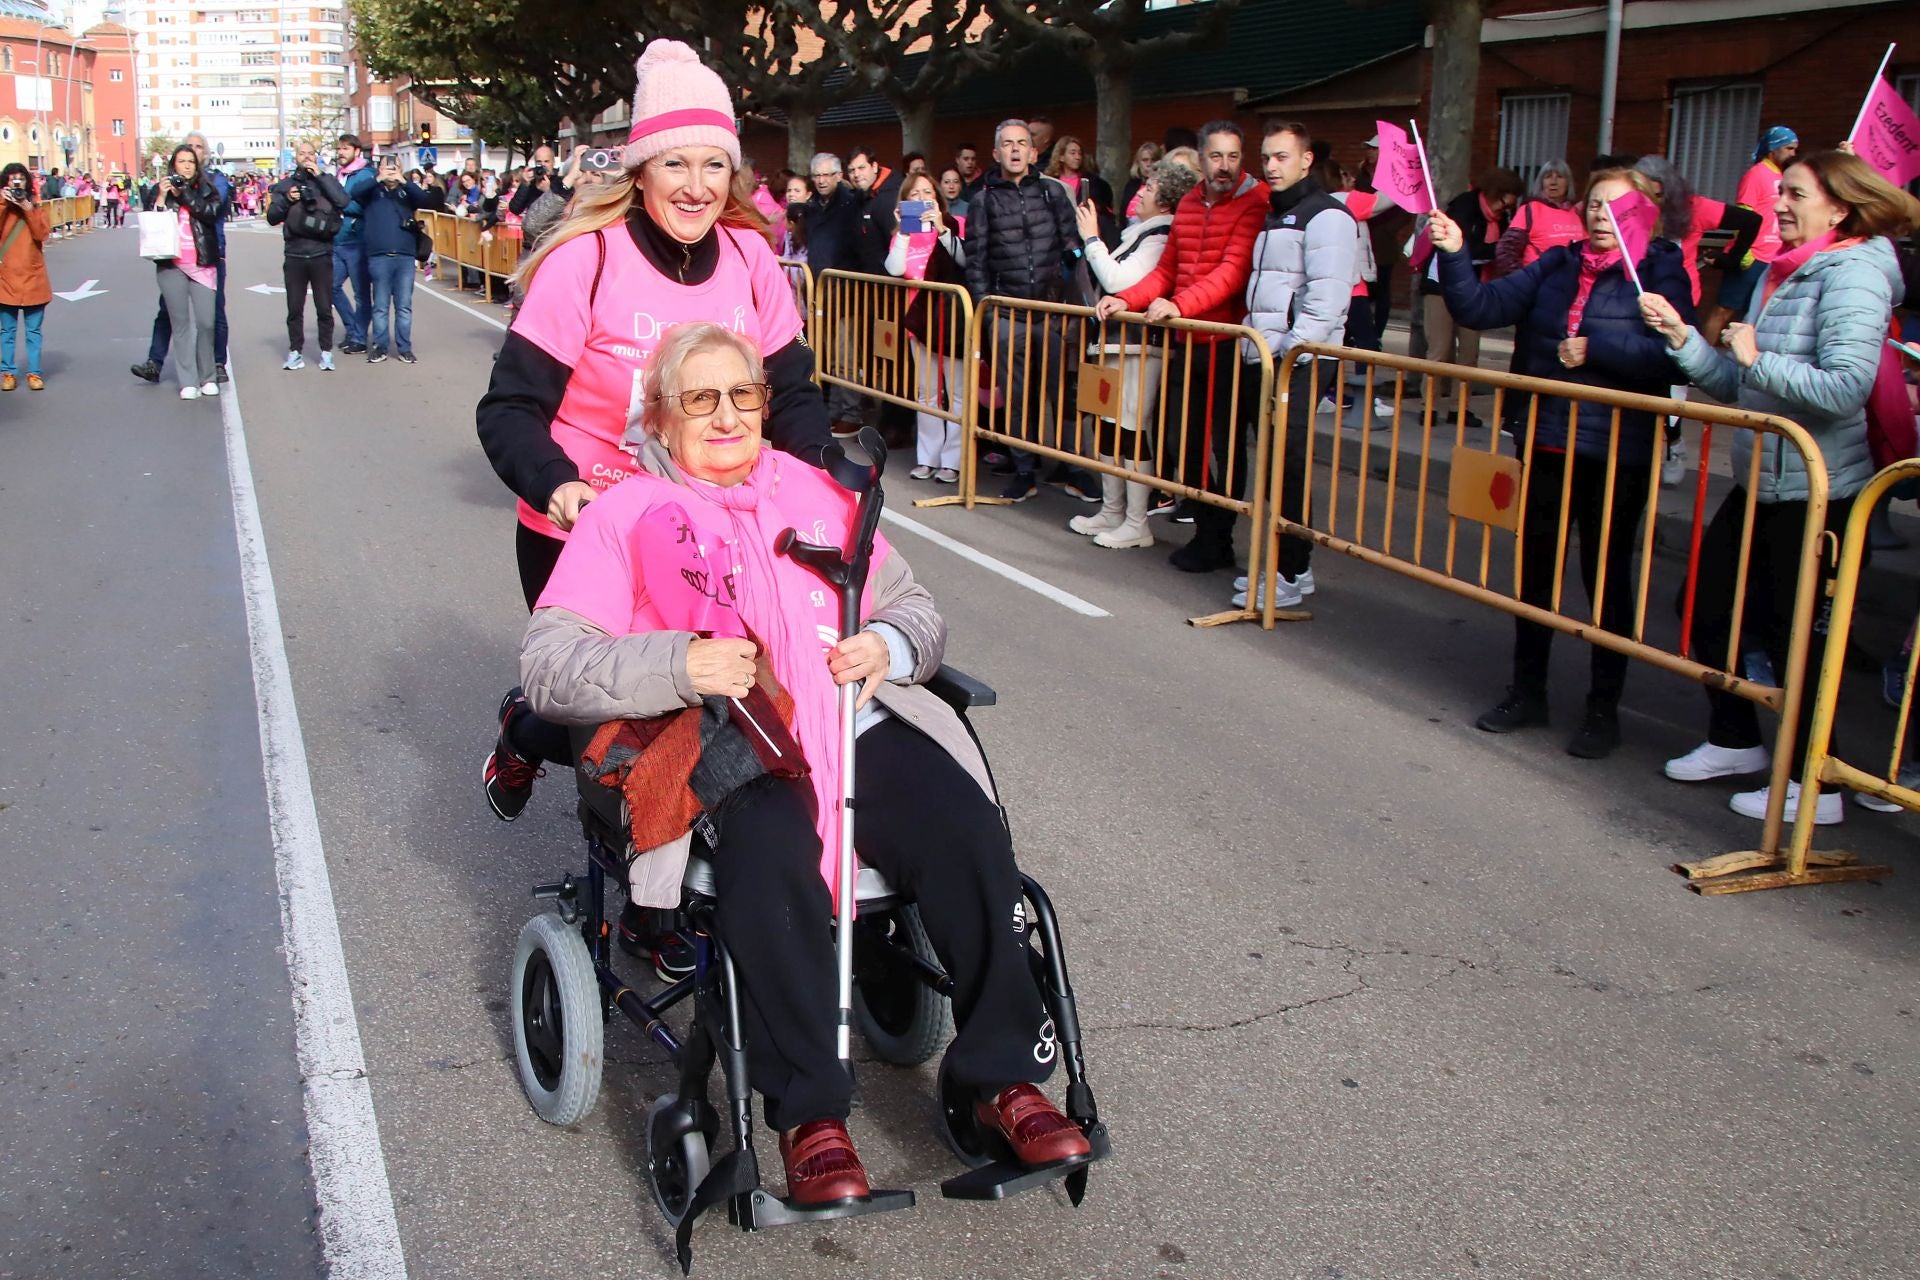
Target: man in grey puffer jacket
1305 265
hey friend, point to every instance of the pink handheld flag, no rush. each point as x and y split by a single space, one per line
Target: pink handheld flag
1634 218
1886 134
1400 174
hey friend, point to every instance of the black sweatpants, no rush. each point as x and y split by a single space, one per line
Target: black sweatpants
302 274
1295 555
1586 508
1777 527
925 824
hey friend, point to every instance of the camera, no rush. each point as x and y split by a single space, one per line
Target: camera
299 192
539 172
177 182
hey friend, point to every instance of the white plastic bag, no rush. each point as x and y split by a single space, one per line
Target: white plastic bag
160 234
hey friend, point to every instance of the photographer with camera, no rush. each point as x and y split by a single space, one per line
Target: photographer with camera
388 217
308 205
189 281
24 288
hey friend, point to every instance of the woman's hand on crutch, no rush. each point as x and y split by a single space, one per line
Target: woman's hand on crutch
863 656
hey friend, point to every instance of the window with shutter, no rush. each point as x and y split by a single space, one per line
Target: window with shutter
1713 135
1533 131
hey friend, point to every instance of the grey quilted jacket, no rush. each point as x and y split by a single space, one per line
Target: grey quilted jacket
1819 337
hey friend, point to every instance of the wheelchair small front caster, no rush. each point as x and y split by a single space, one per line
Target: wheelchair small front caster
677 1154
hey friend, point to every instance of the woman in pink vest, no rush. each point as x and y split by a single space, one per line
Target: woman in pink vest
666 242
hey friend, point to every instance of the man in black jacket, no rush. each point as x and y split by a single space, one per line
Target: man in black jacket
879 191
1022 239
307 206
832 218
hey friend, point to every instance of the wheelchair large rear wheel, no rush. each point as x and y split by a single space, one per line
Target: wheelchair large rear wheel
558 1028
903 1019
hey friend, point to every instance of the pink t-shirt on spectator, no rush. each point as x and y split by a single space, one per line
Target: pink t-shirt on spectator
1547 227
607 343
188 259
1759 190
1707 215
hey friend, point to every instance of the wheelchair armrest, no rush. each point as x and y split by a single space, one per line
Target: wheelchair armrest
960 691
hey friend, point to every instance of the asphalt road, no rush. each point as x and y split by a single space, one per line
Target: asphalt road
1368 993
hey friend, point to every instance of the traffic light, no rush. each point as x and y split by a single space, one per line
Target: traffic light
426 135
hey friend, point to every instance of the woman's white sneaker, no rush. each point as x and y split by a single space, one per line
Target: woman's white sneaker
1707 761
1288 596
209 388
189 393
1830 809
1303 584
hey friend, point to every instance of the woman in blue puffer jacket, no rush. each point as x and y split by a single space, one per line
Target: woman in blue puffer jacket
1810 354
1581 321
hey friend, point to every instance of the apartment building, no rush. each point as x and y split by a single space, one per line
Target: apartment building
65 101
254 76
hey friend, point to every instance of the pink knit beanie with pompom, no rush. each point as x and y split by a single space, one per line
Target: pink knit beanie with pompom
678 101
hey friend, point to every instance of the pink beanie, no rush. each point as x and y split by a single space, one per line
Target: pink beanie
678 102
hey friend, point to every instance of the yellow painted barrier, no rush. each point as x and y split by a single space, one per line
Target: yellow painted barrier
1802 863
1468 515
906 342
456 244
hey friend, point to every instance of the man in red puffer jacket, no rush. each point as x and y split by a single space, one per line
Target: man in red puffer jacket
1202 275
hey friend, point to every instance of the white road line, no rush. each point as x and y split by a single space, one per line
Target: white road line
421 286
1001 567
961 549
359 1235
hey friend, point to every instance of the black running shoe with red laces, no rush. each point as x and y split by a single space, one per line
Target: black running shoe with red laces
507 775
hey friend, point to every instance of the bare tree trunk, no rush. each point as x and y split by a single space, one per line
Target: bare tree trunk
1113 89
1456 76
916 127
801 124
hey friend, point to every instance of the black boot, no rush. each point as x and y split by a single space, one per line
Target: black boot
1212 544
1518 710
1599 733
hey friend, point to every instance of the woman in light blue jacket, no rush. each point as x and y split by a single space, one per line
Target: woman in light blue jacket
1810 354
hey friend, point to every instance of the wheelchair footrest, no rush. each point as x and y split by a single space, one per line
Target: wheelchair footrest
759 1209
1008 1177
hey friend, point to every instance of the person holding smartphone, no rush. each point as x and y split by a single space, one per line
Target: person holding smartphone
930 245
24 288
388 215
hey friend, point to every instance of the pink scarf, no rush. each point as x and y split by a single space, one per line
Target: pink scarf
744 588
1592 266
1791 260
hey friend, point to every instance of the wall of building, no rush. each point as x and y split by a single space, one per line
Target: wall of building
115 101
45 97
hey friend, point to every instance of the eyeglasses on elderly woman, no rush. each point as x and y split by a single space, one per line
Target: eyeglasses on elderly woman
703 402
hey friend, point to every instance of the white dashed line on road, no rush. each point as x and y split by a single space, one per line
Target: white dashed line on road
359 1234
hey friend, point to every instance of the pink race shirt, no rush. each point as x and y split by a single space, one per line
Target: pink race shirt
189 258
1759 190
607 342
1707 215
1548 227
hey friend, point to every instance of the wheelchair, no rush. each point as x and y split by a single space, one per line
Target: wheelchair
565 991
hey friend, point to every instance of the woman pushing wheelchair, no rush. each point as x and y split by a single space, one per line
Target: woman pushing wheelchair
672 591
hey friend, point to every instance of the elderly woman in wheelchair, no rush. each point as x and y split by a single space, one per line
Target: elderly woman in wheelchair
712 664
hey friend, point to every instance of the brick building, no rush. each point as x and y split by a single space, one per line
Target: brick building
66 101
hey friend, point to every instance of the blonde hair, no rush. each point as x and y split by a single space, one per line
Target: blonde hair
1186 157
1060 145
597 208
681 344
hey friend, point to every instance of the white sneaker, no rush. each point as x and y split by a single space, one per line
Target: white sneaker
189 393
209 388
1287 597
1753 804
1303 584
1674 469
1909 778
1707 761
1383 409
294 361
326 362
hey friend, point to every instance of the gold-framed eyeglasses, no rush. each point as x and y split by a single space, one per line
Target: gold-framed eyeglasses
704 402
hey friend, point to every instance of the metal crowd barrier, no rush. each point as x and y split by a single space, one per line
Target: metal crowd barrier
801 275
1354 504
1801 862
906 342
1113 397
456 244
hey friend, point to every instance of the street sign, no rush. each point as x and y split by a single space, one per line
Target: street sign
429 157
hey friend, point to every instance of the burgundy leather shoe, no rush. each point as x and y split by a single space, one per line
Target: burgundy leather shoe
1035 1128
822 1166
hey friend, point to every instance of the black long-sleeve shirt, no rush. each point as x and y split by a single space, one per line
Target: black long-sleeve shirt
515 417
